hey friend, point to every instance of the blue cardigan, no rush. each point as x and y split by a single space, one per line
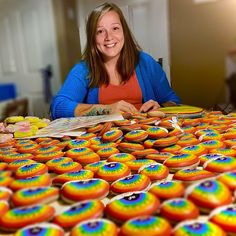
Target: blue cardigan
151 77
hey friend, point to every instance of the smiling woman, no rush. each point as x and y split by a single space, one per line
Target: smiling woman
115 75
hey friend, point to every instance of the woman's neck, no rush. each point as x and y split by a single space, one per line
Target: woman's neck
114 76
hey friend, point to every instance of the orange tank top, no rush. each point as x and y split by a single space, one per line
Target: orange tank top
129 92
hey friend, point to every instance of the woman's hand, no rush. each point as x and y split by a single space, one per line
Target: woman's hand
149 105
122 106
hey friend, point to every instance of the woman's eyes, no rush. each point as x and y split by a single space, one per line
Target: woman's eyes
116 28
103 31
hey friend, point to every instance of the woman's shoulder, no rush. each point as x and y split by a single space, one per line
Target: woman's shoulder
146 60
145 57
81 65
80 68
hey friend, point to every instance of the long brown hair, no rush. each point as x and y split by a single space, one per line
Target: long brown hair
129 54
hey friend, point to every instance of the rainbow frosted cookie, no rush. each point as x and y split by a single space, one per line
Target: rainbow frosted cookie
84 189
23 142
87 136
122 122
178 209
41 229
94 129
130 147
78 143
95 227
35 195
230 134
104 153
146 225
224 151
67 167
220 164
156 132
55 161
135 165
126 206
180 161
197 228
191 122
49 142
106 126
210 136
148 121
154 171
79 212
30 148
31 170
88 158
95 140
212 144
10 150
35 181
144 153
76 152
47 149
197 149
159 157
166 141
17 218
41 139
190 175
172 149
167 189
97 146
63 144
112 135
44 157
4 207
71 176
128 128
230 142
16 156
131 183
184 142
5 194
225 217
209 194
94 166
229 179
121 157
205 157
13 166
112 171
148 143
136 135
5 181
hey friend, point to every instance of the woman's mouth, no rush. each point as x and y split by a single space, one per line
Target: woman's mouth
110 45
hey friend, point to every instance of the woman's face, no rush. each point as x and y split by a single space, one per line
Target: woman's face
109 36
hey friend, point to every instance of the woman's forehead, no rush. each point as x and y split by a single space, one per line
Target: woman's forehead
110 17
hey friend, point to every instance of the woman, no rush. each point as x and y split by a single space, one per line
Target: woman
114 74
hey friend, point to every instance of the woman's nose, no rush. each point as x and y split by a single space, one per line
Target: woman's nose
108 35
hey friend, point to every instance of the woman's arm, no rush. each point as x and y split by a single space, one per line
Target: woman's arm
73 91
100 109
92 110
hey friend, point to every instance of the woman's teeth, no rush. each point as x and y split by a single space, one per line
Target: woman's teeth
110 45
